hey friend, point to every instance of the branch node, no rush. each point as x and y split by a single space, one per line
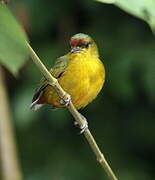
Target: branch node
101 159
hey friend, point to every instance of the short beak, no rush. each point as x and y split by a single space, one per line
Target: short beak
75 50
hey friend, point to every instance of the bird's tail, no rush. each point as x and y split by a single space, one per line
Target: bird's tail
34 106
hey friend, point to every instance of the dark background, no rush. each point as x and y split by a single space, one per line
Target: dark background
122 118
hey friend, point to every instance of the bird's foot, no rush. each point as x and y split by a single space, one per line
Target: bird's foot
65 100
84 126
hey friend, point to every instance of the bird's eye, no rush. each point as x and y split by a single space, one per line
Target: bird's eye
85 45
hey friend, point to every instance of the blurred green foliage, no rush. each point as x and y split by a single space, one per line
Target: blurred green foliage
13 50
121 118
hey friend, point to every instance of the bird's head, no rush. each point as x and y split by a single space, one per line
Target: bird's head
83 43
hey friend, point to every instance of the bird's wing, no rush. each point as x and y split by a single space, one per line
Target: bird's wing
57 71
59 67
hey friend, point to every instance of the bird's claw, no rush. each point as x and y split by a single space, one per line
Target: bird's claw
65 100
84 126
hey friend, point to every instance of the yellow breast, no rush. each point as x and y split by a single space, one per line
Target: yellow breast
83 79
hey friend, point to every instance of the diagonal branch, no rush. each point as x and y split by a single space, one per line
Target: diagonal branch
53 81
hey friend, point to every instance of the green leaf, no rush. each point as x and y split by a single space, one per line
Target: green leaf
143 9
13 47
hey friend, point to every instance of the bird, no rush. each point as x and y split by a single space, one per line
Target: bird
80 73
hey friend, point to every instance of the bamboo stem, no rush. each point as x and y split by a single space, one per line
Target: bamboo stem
53 81
8 153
